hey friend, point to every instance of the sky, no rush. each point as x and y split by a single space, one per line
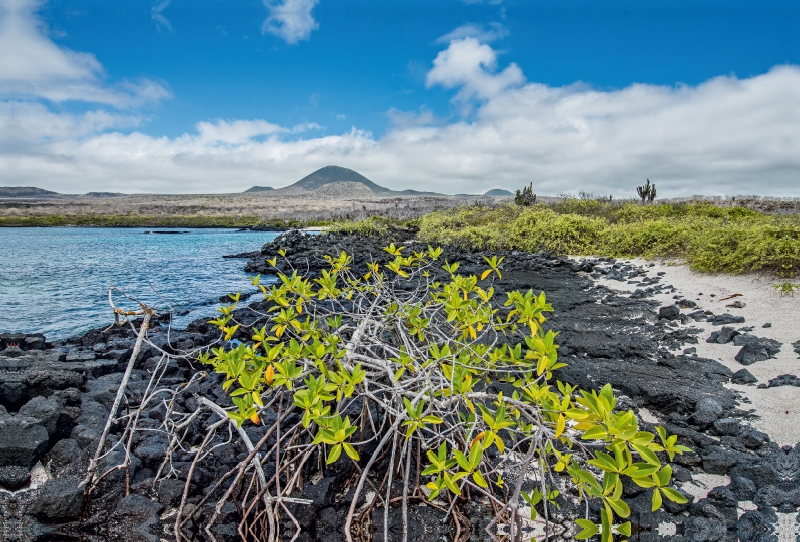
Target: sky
456 96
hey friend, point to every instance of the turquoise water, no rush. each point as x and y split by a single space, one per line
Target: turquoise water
55 280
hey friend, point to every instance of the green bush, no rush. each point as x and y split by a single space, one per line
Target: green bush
376 355
709 238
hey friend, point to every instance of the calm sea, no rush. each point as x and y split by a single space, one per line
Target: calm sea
55 280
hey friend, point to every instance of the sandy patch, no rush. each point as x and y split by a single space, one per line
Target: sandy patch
777 408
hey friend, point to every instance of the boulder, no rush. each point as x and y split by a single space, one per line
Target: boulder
59 500
700 529
48 412
669 312
14 477
718 463
751 353
752 438
22 441
743 376
727 426
725 319
136 505
708 404
66 457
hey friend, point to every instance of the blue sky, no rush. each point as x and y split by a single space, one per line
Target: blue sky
399 90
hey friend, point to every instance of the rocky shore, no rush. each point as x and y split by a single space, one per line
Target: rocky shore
55 399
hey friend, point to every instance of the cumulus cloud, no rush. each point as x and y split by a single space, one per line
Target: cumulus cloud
290 20
25 125
471 66
494 32
724 136
33 66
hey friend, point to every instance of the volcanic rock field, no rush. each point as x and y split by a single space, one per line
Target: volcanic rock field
644 339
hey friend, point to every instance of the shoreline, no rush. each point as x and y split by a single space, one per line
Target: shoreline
606 335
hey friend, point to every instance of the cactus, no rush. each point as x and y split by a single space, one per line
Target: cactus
525 197
647 192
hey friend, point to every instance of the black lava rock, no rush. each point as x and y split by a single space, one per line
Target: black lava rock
751 353
727 426
59 500
669 312
14 477
743 376
136 505
752 438
725 319
718 463
723 336
743 488
782 380
22 440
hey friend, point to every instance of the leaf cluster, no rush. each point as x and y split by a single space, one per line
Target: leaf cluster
423 344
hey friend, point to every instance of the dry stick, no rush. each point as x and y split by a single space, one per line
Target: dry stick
405 490
240 469
255 462
92 470
513 503
206 440
389 491
360 485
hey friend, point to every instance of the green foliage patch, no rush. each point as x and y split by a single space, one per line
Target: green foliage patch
424 353
707 237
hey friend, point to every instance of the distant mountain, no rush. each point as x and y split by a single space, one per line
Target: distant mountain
26 192
258 189
337 174
498 192
103 194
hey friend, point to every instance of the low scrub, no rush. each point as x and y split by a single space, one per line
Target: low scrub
709 238
408 364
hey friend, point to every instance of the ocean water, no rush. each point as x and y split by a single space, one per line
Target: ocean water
55 280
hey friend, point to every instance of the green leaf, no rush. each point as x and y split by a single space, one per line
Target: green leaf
647 454
620 507
665 475
624 529
479 479
674 495
350 451
595 433
656 499
588 529
334 454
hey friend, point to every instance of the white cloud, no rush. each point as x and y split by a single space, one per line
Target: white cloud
724 136
471 66
495 32
290 20
157 14
32 66
27 125
408 119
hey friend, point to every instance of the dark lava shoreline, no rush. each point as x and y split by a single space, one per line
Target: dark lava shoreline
55 399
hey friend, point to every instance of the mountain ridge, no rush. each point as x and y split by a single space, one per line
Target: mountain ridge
27 192
338 174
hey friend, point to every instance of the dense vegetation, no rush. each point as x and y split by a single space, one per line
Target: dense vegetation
708 237
406 354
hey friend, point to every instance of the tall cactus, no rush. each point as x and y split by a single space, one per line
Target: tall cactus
526 197
647 192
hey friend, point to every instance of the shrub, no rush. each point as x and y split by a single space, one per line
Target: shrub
709 238
414 358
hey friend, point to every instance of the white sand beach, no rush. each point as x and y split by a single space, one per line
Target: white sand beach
778 408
